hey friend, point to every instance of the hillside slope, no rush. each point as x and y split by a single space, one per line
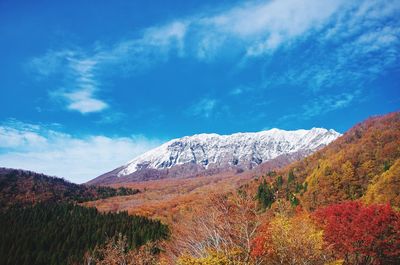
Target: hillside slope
362 161
26 187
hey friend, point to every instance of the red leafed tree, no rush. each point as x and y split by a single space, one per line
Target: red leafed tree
362 234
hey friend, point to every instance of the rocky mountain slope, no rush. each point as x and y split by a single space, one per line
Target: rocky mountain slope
207 154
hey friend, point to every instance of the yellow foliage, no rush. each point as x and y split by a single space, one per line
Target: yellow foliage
367 167
295 240
212 258
345 169
336 262
348 170
385 187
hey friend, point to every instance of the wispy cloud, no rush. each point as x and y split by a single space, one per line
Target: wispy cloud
205 108
342 33
328 103
240 90
80 85
167 36
354 47
322 105
81 70
43 149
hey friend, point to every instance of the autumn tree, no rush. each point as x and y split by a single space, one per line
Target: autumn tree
212 258
290 240
385 188
345 168
362 234
116 252
227 226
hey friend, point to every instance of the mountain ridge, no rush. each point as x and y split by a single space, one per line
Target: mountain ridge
212 153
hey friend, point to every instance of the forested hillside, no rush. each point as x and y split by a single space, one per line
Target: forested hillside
363 163
26 187
41 223
59 233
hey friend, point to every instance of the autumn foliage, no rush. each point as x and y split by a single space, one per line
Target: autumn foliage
292 216
385 188
224 229
339 206
362 234
345 169
290 240
116 251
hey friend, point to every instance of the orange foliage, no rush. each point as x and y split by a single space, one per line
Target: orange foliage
344 169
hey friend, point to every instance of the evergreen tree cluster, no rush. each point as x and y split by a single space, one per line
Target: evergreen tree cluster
267 193
60 233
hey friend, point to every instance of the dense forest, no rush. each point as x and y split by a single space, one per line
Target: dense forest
42 223
26 187
61 233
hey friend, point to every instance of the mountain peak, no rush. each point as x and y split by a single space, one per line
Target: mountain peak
241 150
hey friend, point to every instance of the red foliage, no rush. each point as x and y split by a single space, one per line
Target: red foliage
362 234
259 242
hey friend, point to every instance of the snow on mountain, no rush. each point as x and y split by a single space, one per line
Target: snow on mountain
243 150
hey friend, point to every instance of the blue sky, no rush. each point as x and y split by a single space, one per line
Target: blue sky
87 85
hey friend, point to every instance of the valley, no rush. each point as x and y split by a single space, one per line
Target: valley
170 200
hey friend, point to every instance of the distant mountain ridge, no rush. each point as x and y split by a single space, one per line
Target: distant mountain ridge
24 187
212 153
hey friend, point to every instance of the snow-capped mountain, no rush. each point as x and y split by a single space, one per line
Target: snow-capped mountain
212 152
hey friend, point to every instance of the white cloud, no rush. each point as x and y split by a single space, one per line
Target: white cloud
83 101
265 26
166 36
287 17
77 159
